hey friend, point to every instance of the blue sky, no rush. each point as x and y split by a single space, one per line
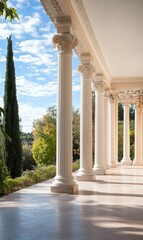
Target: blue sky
35 61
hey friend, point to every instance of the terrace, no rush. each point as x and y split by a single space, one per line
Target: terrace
109 208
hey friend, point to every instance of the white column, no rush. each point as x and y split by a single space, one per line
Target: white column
141 137
65 42
116 132
106 122
100 165
126 137
112 133
137 160
86 70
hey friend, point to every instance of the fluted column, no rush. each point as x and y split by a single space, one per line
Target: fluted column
100 165
137 160
65 42
86 70
106 122
112 132
126 137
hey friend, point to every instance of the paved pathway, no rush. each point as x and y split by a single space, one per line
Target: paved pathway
109 208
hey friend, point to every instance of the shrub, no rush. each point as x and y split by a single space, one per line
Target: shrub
76 165
3 177
41 173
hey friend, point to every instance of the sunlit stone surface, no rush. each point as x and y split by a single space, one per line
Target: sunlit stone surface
109 208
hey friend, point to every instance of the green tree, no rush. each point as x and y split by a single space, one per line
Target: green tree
120 140
120 112
76 134
6 11
11 14
12 150
132 112
44 145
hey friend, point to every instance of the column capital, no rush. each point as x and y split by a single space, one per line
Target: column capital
112 97
64 42
86 70
98 86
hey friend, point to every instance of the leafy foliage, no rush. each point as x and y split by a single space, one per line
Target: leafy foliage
12 151
120 140
44 145
39 174
3 177
120 112
7 12
76 134
11 14
28 161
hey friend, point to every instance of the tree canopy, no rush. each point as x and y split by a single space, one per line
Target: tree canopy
7 12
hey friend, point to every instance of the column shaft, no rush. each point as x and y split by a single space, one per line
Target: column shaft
86 172
112 135
100 165
137 160
64 181
106 122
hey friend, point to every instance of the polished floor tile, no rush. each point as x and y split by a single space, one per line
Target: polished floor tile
109 208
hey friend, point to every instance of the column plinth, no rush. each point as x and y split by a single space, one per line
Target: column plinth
126 161
64 181
137 159
100 165
85 172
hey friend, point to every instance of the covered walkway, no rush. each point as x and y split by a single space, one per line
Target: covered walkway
109 208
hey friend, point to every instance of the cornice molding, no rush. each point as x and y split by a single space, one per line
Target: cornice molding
83 14
52 8
98 56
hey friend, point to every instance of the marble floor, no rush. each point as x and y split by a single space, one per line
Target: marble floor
109 208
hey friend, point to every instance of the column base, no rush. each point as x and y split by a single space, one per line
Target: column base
64 185
85 175
118 163
64 189
113 165
126 162
136 162
99 171
107 166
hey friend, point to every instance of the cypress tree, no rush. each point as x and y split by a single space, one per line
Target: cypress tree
12 150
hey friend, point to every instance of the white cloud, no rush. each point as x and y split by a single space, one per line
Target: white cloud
28 114
34 89
35 46
37 52
76 88
18 4
26 25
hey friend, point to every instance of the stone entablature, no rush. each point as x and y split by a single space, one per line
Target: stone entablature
133 96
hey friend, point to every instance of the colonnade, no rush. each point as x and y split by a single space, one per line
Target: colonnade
106 119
